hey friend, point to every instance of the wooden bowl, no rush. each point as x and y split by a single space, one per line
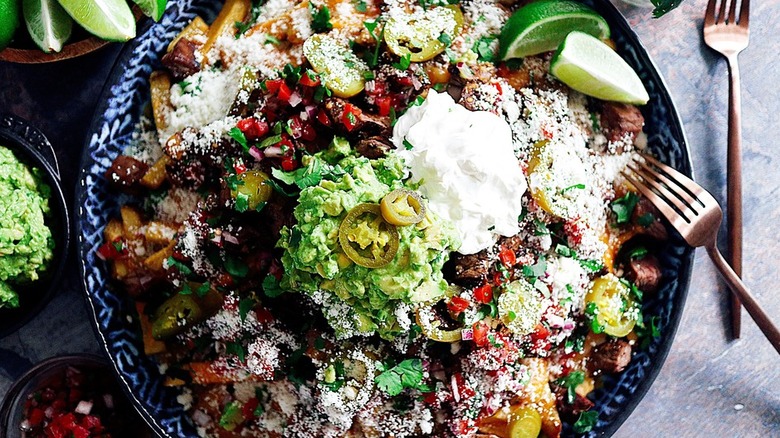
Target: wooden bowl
83 43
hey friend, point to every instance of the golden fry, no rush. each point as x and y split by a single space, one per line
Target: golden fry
160 84
233 11
197 27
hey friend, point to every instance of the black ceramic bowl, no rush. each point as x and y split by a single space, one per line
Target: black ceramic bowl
32 148
51 371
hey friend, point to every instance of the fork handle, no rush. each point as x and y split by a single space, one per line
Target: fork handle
734 186
739 289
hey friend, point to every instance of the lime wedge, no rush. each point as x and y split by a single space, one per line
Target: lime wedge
108 19
591 67
541 27
152 8
49 25
9 21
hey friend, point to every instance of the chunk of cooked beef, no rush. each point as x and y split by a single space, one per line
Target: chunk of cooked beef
469 269
645 273
180 61
648 218
620 119
365 125
570 411
373 147
125 173
610 357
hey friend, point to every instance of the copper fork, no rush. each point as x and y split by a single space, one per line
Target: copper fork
728 34
696 215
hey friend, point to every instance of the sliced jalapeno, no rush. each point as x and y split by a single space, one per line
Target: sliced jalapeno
341 70
418 36
402 207
175 315
429 326
366 238
524 422
615 305
254 188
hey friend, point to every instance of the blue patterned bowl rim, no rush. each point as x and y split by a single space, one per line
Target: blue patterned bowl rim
122 102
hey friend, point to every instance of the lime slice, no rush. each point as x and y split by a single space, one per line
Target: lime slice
108 19
49 25
152 8
591 67
541 27
9 21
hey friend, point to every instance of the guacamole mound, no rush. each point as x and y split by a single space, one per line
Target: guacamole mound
357 300
26 243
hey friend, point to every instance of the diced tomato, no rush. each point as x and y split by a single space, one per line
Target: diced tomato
284 92
383 104
296 127
36 417
239 167
458 304
404 81
253 128
249 407
430 398
289 164
540 332
91 422
309 133
309 79
224 280
79 432
58 405
55 431
67 421
484 294
323 118
273 85
349 119
480 329
263 316
507 257
112 250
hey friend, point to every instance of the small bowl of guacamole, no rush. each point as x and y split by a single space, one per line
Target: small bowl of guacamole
34 225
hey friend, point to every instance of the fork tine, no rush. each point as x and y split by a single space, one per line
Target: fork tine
683 195
733 12
669 213
678 178
722 12
667 193
744 13
709 16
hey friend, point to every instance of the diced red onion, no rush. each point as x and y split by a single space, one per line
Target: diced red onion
48 412
370 86
200 418
256 153
230 238
568 325
108 399
467 334
311 111
416 82
455 392
295 99
273 152
84 407
555 321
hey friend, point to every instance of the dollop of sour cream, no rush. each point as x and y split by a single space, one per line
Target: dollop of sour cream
465 164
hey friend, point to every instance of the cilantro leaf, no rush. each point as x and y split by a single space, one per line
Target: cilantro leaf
407 374
239 136
244 306
237 349
586 421
570 382
646 220
242 202
271 286
320 19
404 62
483 48
624 207
664 6
236 267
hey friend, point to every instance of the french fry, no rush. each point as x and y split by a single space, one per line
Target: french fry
113 230
154 263
233 11
160 86
541 397
197 27
151 345
155 176
120 268
159 233
131 221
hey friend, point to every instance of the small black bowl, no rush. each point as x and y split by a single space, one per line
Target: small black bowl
33 149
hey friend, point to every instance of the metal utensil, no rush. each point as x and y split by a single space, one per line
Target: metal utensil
696 215
728 34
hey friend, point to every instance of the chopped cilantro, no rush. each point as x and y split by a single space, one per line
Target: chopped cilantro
292 74
181 267
624 207
270 141
536 270
408 145
404 62
565 251
483 48
373 60
570 382
360 5
320 19
638 253
271 286
270 39
445 39
239 136
407 374
586 421
573 187
244 306
236 349
242 202
592 265
592 311
236 267
203 289
646 220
